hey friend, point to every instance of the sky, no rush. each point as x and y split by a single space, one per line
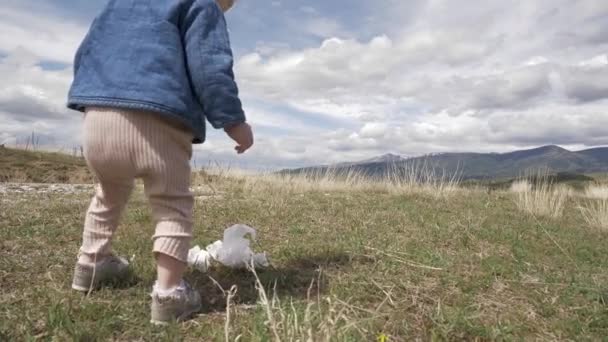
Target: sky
331 81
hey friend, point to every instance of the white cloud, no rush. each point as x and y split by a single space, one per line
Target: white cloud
490 76
373 130
588 81
324 27
47 37
563 124
33 100
436 75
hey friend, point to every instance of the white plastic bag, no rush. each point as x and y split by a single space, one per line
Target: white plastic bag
233 251
199 259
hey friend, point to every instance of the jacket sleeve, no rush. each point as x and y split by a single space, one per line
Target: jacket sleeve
210 62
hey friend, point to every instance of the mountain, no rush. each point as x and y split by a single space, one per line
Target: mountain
600 154
553 159
385 158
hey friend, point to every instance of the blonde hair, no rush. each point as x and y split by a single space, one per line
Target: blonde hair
226 4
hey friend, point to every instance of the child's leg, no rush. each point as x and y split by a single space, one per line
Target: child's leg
167 186
169 271
173 215
102 219
109 158
171 202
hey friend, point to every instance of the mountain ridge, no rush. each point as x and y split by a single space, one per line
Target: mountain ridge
472 165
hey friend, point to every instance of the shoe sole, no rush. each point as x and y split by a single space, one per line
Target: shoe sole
80 288
181 318
98 284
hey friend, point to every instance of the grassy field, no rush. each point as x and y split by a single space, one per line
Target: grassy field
41 167
352 261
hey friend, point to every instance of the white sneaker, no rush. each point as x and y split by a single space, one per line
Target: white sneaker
87 277
177 304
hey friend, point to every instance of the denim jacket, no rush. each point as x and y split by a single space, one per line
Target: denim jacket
168 57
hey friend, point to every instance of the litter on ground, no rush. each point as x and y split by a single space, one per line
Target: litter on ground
233 251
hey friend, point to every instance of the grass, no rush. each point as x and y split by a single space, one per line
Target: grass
351 262
597 191
541 198
41 167
413 179
595 213
521 186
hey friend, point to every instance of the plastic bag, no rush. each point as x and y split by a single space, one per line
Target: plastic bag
199 259
233 251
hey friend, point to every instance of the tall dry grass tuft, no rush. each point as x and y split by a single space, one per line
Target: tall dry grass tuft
422 178
597 191
398 180
543 198
595 214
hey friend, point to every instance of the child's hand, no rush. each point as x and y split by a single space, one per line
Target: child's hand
242 134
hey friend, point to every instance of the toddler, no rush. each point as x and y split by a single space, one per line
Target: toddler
147 75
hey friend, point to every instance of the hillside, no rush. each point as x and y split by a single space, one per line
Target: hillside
553 159
41 167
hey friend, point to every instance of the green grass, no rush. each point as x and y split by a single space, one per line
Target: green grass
461 267
351 261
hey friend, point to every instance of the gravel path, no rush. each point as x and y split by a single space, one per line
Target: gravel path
24 188
58 188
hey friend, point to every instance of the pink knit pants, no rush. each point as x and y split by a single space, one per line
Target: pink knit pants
121 145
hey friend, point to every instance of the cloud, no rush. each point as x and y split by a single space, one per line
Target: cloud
410 77
373 130
563 124
587 81
348 78
324 28
553 124
516 89
32 99
48 37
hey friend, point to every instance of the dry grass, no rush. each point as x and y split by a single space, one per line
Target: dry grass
595 214
409 267
324 318
25 166
597 191
410 180
542 198
521 186
352 260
